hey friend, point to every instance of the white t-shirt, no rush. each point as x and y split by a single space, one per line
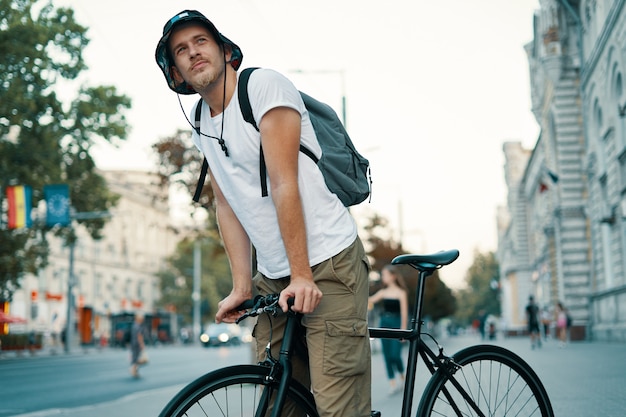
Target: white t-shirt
329 225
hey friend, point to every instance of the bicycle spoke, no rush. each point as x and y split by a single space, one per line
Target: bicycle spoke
239 400
217 403
506 395
240 391
490 381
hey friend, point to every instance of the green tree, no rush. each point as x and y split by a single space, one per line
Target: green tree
482 289
439 301
45 139
180 162
177 278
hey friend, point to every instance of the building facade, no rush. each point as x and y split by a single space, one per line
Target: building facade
603 30
114 276
563 235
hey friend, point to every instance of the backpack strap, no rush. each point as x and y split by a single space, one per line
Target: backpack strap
196 124
205 163
246 111
308 153
244 100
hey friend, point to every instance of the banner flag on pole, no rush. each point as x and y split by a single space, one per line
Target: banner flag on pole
19 198
544 184
57 204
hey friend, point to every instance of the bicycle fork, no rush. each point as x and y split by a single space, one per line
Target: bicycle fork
279 369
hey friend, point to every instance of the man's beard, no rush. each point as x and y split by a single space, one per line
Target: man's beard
204 80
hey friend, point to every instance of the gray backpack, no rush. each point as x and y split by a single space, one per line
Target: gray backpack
346 171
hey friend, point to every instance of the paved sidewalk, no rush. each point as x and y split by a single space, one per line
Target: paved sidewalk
582 378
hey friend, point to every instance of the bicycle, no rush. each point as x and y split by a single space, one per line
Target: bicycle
481 380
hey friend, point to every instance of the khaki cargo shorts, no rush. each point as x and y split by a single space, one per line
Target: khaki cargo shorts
339 360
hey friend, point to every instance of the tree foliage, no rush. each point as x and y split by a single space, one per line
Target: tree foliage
45 138
177 278
439 301
180 162
482 290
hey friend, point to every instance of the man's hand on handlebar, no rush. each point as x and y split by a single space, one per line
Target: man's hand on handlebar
227 308
306 294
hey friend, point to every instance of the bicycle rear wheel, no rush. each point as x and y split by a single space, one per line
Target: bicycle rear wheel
491 381
240 390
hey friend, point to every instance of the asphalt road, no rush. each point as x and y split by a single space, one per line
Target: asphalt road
582 379
54 382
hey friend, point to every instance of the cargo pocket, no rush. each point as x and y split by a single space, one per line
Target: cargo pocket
346 347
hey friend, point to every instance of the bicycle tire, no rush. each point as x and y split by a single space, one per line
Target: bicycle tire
234 391
499 382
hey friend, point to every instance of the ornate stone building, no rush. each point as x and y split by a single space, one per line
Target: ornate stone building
602 27
564 234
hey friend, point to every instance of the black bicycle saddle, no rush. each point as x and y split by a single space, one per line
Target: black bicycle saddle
427 262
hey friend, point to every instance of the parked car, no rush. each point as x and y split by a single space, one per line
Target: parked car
221 334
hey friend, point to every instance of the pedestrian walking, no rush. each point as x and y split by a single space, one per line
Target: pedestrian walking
545 322
532 320
561 323
138 355
394 300
482 324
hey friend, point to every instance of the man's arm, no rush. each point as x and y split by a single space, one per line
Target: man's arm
237 245
280 137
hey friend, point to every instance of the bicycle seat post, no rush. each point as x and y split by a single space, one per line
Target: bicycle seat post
416 321
426 265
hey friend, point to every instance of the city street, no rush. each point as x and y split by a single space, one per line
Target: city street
582 379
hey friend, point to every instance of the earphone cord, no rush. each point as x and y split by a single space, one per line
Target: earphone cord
221 138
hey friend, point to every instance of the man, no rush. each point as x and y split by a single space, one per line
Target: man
532 318
306 241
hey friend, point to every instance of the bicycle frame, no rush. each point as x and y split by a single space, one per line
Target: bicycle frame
417 347
491 380
284 360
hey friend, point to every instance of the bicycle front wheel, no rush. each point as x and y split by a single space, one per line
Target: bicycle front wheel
240 390
490 381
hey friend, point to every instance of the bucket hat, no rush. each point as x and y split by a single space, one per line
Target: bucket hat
164 57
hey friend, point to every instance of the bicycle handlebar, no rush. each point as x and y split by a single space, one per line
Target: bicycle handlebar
248 304
261 304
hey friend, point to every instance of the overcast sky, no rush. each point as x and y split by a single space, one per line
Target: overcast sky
433 90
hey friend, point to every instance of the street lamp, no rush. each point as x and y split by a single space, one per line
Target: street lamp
71 279
195 295
342 74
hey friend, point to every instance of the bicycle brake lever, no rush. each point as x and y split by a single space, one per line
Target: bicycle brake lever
251 313
274 310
